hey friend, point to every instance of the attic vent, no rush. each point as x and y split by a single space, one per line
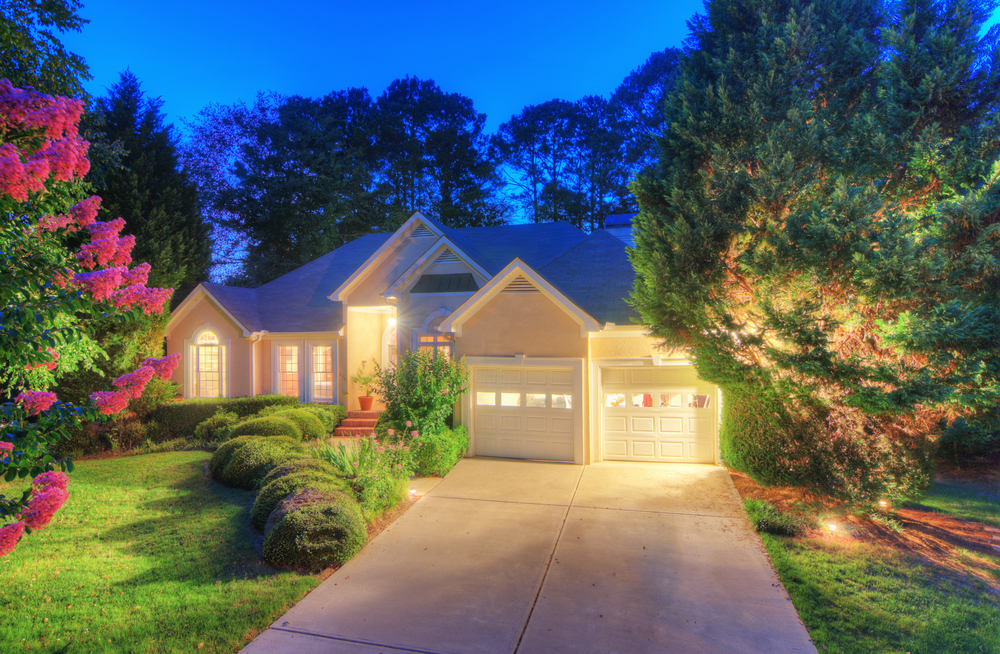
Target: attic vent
520 285
447 257
421 231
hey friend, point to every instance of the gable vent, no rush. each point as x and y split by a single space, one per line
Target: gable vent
520 285
447 257
421 231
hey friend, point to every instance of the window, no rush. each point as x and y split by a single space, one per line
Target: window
534 400
322 372
486 398
699 401
208 365
670 400
288 370
614 400
510 399
434 342
642 399
561 401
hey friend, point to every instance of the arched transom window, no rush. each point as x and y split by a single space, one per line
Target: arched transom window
208 365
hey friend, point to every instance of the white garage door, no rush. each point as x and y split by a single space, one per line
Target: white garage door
658 414
524 412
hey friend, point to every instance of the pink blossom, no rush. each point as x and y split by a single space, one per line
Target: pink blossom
51 479
100 283
9 535
110 402
6 449
52 223
34 402
409 424
134 382
150 299
51 365
43 504
138 276
110 229
62 279
414 433
391 432
164 367
106 251
85 212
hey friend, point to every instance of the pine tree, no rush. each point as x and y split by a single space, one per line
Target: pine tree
791 231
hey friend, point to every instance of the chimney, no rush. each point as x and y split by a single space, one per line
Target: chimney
619 225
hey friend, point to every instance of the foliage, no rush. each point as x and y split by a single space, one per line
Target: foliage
436 453
254 459
767 518
377 470
316 535
163 557
180 419
269 426
330 415
216 428
296 465
150 191
816 233
273 492
51 295
223 454
308 422
31 54
420 391
364 380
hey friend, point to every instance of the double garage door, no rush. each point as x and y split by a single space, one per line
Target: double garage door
658 414
525 412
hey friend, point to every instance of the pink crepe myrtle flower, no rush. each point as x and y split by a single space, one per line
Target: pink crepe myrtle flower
110 402
84 213
51 365
164 368
138 276
9 535
150 299
34 402
101 230
6 449
48 497
100 283
51 479
111 251
134 382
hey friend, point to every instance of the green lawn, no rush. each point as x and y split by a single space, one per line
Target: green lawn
863 597
148 555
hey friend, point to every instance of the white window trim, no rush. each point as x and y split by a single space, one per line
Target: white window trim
425 328
385 343
276 369
310 387
189 343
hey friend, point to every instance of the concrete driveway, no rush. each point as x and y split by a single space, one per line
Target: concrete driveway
510 556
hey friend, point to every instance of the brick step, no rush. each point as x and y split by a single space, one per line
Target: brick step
358 422
353 431
364 414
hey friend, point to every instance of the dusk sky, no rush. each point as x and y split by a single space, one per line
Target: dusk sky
502 55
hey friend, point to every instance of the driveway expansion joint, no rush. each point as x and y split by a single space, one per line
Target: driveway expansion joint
400 648
483 499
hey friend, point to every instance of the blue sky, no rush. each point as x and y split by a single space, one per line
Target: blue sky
502 55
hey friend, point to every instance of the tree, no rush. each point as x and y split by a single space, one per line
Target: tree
150 191
48 296
30 52
793 233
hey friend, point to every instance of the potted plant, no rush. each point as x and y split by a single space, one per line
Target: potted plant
365 381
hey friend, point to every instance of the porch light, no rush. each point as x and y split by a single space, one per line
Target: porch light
392 322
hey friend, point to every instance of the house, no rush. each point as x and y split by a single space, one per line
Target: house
559 370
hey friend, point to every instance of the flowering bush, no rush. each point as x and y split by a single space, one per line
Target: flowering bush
377 469
47 293
420 389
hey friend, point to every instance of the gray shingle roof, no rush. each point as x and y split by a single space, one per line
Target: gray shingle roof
592 271
597 276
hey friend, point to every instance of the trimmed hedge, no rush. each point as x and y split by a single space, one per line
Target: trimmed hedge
254 459
221 458
272 493
216 428
179 419
317 534
331 415
298 464
269 426
311 426
436 454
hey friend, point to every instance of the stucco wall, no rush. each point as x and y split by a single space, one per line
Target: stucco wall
629 347
207 313
364 338
414 309
521 323
369 292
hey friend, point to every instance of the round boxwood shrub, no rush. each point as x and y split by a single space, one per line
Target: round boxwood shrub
268 426
298 464
311 426
314 534
216 428
272 493
221 458
257 457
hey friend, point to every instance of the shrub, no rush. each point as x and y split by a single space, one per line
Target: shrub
378 471
272 493
330 414
420 389
221 458
216 428
316 535
435 454
296 464
179 419
767 518
267 426
311 426
254 459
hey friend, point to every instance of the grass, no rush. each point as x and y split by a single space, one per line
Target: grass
864 597
148 555
965 500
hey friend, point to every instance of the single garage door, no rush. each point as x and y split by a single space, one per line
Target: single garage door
658 414
524 412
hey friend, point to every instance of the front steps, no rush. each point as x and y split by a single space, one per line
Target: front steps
358 423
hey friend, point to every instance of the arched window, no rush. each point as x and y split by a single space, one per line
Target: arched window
431 340
389 340
208 365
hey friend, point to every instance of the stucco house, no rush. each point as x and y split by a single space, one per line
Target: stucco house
559 371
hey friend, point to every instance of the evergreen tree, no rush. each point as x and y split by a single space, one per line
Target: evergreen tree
30 51
792 233
151 192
